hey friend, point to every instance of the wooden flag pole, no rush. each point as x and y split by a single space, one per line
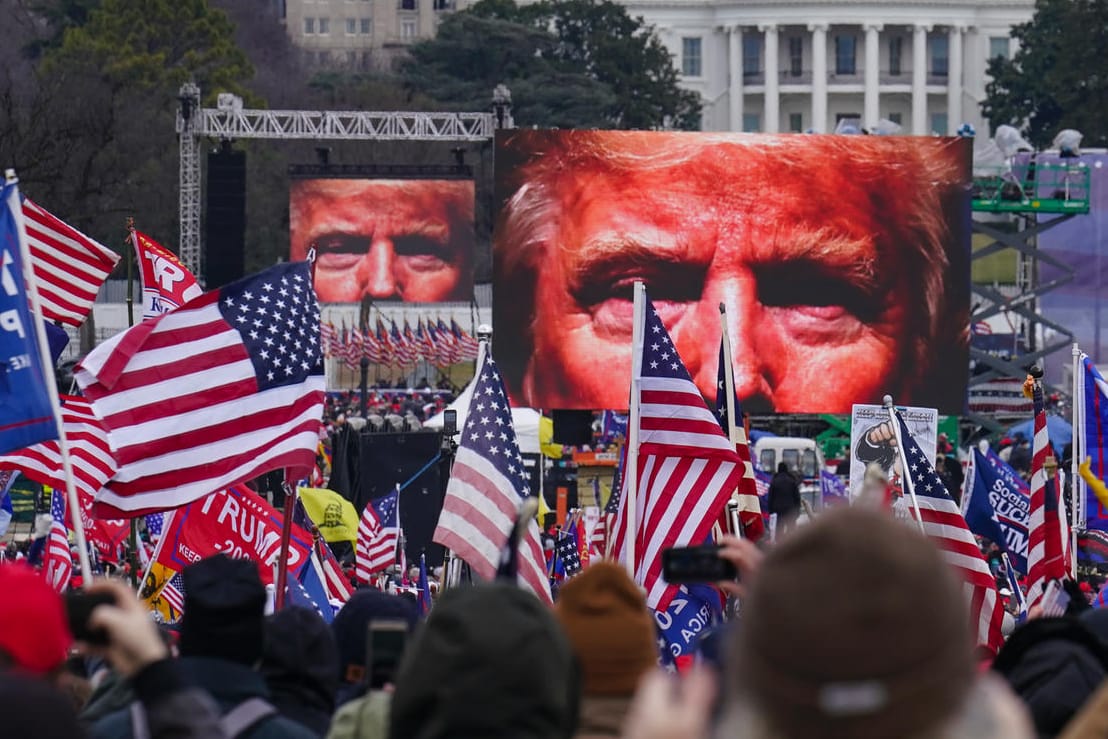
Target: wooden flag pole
286 537
49 380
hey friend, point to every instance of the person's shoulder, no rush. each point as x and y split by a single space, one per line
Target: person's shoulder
364 716
115 725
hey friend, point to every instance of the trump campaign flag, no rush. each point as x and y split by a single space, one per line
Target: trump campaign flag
26 414
221 390
166 283
237 522
997 505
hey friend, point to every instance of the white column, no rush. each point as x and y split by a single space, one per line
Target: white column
954 81
919 79
819 76
735 66
870 107
773 93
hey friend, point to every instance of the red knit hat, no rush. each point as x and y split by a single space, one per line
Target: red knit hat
33 628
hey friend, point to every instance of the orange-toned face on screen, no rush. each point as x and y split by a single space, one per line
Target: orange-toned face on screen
803 248
409 240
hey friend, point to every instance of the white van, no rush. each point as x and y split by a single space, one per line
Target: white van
804 458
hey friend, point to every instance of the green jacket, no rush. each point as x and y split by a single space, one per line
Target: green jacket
363 718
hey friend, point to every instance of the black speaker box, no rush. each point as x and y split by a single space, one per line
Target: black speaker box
572 427
225 224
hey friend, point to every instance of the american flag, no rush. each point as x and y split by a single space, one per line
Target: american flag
401 354
435 346
467 345
89 452
600 543
448 344
216 392
353 356
378 535
385 349
370 346
565 546
944 525
57 562
687 467
487 483
154 524
327 337
335 582
69 266
173 593
1001 396
750 510
1045 560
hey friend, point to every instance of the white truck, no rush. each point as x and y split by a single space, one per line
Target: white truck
804 458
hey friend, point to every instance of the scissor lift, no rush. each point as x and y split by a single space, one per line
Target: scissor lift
1038 196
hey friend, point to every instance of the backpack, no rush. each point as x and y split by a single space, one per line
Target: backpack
234 723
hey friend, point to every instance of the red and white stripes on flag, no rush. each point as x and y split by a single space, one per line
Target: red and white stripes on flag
1045 552
487 484
687 467
942 522
57 562
219 391
378 535
69 266
89 452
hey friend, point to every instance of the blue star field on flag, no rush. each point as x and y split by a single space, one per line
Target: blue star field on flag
566 548
278 317
386 507
660 358
925 481
489 431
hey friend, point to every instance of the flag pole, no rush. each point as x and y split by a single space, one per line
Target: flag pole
132 241
48 378
729 389
905 476
632 468
286 537
1077 452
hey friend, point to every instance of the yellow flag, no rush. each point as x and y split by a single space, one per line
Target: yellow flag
546 439
1095 484
335 516
151 593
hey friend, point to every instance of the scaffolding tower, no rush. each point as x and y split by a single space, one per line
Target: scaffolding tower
1038 197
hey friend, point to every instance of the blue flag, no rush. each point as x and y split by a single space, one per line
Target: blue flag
26 416
307 591
424 595
1094 430
694 609
998 506
7 478
832 488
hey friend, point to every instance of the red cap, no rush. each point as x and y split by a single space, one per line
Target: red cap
33 628
1086 587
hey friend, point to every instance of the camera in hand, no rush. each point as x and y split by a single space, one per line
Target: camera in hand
78 608
385 644
696 564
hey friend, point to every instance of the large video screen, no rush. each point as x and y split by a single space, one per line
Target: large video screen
386 239
842 261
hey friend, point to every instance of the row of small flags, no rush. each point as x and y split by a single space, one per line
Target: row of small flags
430 341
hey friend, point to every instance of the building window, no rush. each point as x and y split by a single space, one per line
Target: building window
896 48
407 29
796 56
367 26
844 54
752 122
407 5
690 57
351 26
796 122
940 47
324 26
896 118
309 26
938 123
998 47
752 55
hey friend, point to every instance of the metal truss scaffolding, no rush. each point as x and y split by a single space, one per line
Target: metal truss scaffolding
231 121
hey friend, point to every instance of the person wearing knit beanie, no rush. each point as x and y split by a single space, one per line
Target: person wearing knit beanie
224 610
877 642
612 635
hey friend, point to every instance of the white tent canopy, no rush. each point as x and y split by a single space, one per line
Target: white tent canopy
525 420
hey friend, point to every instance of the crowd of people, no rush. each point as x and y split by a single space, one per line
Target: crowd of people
848 626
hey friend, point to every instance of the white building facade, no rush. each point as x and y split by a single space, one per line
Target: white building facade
803 65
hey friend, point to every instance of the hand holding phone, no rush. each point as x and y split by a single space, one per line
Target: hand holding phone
385 644
696 564
79 605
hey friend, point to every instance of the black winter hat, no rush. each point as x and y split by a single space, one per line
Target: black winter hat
491 662
351 623
224 610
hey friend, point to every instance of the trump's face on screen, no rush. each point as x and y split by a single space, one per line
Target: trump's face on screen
408 240
835 258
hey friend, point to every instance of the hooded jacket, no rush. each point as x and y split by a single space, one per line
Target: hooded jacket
490 662
300 667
